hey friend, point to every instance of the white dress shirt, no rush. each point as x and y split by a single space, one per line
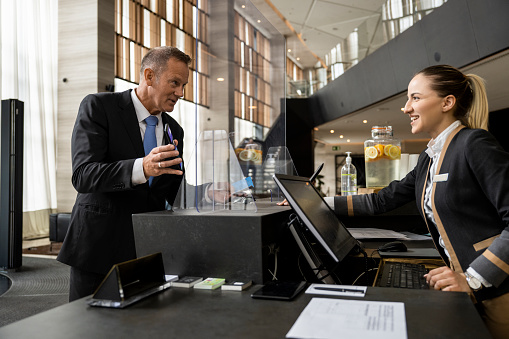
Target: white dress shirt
138 176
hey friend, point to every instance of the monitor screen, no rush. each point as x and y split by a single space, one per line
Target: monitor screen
314 212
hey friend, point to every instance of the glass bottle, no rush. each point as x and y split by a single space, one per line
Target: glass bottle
348 177
382 155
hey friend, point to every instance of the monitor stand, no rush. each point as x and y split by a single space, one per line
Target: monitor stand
308 252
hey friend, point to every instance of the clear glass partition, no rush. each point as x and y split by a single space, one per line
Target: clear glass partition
245 58
214 179
236 82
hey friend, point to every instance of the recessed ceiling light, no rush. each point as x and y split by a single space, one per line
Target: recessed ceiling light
220 79
289 50
298 59
243 6
347 140
341 136
365 121
332 131
259 21
316 128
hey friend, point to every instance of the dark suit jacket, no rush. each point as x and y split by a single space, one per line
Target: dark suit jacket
470 205
106 140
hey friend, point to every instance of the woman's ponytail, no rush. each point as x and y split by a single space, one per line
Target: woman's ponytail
478 113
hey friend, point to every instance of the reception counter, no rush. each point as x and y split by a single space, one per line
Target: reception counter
187 313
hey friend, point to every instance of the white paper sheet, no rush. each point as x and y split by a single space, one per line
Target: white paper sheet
376 233
325 318
413 236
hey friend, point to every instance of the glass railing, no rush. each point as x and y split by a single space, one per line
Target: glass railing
392 19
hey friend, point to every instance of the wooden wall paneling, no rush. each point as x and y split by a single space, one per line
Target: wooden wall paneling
161 8
118 59
188 17
135 16
189 90
118 16
176 17
237 105
236 25
203 5
155 31
137 23
137 62
127 58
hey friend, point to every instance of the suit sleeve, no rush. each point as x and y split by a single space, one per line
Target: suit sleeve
397 194
95 166
490 164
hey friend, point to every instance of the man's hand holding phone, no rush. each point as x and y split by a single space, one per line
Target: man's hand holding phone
156 162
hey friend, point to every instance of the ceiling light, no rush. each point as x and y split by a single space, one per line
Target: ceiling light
259 21
316 128
298 59
243 6
332 131
402 109
341 136
365 121
220 79
289 50
347 140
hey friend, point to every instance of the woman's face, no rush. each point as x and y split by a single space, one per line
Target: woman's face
428 112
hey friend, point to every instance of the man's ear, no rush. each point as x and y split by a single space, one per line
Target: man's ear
448 103
149 76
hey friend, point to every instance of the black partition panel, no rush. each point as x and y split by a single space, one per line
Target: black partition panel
11 184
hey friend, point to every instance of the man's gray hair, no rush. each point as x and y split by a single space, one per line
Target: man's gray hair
157 59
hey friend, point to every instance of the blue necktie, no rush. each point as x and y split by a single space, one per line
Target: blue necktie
149 140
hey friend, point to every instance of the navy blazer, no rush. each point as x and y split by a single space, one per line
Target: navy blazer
106 140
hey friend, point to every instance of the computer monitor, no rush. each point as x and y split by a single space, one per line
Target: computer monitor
317 216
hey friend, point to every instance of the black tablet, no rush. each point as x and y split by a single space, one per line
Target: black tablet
281 290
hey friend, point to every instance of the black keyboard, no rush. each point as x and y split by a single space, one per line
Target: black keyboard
403 275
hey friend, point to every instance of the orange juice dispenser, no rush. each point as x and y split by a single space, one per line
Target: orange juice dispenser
382 155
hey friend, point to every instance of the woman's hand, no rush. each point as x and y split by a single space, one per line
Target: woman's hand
283 203
445 279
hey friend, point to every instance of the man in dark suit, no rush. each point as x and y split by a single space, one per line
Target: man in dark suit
111 171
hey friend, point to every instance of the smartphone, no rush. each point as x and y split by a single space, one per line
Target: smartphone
319 169
168 139
280 290
166 135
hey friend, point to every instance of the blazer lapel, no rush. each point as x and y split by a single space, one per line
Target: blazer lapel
127 116
454 258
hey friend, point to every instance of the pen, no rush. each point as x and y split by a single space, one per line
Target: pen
170 136
333 289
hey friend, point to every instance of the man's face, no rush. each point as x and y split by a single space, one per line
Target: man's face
168 87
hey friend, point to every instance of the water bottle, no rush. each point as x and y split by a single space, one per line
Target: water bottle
348 177
382 155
